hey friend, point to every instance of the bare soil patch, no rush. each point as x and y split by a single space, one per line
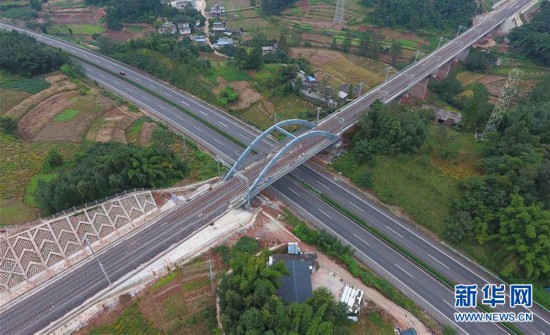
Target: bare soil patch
113 124
71 131
36 118
247 96
146 136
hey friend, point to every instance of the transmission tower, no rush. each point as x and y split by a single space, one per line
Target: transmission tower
506 93
339 13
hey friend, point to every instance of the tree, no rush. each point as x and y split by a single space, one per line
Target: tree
283 44
53 159
8 125
22 54
432 15
533 38
480 60
108 168
36 4
395 51
476 109
525 236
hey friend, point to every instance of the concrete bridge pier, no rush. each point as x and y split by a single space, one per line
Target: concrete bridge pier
420 89
443 71
463 55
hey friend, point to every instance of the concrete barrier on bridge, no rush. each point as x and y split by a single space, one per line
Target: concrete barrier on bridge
463 55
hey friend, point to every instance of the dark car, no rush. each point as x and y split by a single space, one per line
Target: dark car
122 73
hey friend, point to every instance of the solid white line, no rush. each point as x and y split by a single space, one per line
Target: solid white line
400 268
361 239
323 184
291 190
437 260
324 213
223 124
354 205
384 269
185 103
395 232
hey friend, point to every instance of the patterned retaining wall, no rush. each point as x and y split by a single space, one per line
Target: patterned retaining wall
55 244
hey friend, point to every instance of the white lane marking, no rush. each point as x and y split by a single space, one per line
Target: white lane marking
138 79
384 269
146 98
324 213
202 112
323 184
179 117
400 268
185 103
102 76
129 89
198 129
361 239
395 232
161 107
291 190
437 260
223 124
354 205
220 143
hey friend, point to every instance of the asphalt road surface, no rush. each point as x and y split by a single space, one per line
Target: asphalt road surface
445 259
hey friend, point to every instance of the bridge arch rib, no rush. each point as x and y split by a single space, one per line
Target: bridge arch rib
275 127
314 133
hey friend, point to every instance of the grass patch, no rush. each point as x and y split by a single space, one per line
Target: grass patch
13 211
164 280
228 73
425 183
374 323
31 86
409 182
32 186
196 284
76 29
132 321
66 115
11 98
135 29
133 132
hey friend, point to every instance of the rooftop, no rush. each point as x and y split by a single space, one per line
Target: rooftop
296 287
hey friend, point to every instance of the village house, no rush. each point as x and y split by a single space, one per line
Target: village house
217 11
168 28
184 28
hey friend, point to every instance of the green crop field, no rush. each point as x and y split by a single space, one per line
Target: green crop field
31 86
66 115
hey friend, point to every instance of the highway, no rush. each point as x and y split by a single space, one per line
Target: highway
443 260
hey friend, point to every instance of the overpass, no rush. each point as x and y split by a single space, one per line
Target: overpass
380 257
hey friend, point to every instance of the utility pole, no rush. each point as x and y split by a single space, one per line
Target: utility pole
318 112
218 164
361 85
441 38
100 265
460 27
211 275
388 68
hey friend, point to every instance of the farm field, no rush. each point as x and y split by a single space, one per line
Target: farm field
68 122
181 302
